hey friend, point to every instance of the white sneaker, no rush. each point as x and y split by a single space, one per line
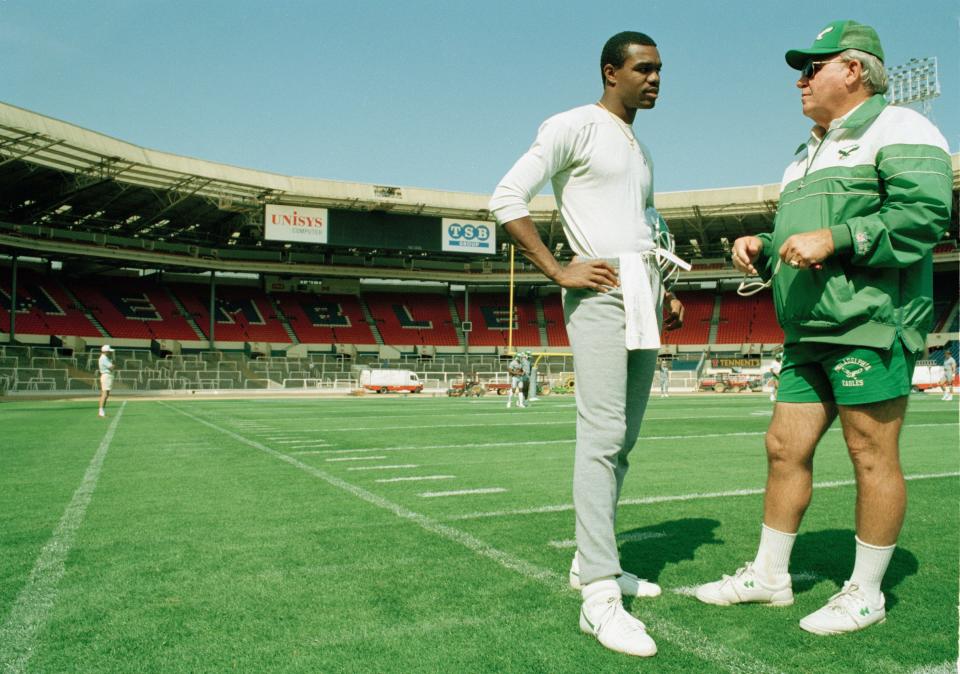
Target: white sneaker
773 397
605 618
746 586
101 413
630 585
848 610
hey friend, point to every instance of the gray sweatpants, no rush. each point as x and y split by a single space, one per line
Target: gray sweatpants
612 389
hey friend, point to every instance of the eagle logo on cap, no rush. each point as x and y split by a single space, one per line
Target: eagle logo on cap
823 32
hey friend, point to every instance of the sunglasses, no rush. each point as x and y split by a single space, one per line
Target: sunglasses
811 68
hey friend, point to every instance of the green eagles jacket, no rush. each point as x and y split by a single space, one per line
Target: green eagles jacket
880 179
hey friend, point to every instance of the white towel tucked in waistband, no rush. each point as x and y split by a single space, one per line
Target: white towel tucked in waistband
639 280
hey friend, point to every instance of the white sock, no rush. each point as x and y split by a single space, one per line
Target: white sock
520 398
773 555
870 566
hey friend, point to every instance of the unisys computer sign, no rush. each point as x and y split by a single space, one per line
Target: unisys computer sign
296 223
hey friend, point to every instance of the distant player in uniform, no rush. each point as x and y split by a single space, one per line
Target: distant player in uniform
515 369
664 379
775 376
949 372
525 379
105 366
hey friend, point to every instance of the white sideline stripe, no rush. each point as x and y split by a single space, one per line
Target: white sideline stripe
481 445
33 604
678 497
690 640
355 458
622 538
416 478
402 465
462 492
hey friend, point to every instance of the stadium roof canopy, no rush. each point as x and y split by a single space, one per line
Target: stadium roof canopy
70 193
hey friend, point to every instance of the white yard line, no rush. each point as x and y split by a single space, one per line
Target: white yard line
676 497
691 640
402 465
415 478
462 492
948 667
483 445
355 458
36 600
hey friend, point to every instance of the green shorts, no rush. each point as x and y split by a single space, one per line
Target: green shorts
845 374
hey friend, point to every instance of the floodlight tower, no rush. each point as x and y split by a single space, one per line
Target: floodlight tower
915 81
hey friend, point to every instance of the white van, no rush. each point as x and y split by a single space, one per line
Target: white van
383 381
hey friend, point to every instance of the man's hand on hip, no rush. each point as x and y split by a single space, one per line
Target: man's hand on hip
593 274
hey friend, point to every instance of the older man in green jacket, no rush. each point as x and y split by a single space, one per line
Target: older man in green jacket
862 205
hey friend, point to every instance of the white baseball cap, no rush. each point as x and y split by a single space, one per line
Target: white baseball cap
105 348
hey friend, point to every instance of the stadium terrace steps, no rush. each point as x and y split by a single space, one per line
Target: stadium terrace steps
85 311
197 332
283 319
370 320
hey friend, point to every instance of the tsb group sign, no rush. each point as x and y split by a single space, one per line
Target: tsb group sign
295 223
469 236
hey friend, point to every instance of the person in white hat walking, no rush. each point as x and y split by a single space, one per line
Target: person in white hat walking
105 365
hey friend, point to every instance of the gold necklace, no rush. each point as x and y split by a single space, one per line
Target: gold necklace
622 125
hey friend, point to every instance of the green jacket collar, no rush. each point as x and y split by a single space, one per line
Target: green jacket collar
867 112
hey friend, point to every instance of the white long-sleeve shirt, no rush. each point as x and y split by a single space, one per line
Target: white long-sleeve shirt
601 181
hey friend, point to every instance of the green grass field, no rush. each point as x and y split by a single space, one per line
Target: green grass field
289 535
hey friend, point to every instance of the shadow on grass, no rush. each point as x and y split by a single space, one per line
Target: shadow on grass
645 551
830 554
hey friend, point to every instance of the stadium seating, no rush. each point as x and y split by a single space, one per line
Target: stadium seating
747 320
243 314
325 319
698 310
414 318
43 308
555 324
134 309
489 314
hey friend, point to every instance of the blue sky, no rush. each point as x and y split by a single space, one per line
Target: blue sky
438 94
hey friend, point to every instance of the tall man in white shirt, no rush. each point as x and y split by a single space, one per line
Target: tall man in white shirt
602 178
